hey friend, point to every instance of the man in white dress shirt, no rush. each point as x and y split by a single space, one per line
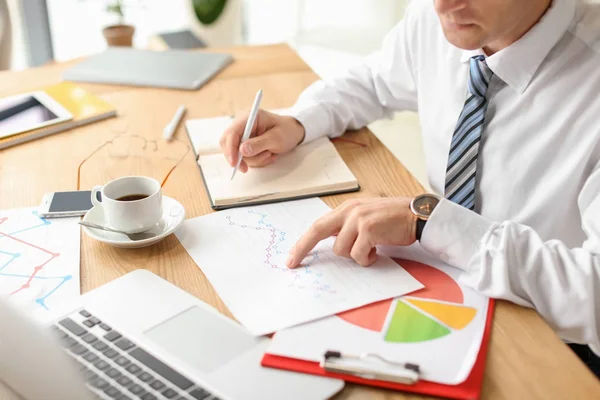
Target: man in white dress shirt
508 95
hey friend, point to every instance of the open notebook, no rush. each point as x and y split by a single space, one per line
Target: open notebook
312 169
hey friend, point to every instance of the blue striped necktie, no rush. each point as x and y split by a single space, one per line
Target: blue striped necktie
462 162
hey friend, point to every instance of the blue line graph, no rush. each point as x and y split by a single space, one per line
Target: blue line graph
13 257
41 301
43 222
277 237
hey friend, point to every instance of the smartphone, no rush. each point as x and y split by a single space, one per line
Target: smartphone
66 204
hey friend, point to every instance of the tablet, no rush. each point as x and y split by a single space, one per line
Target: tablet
29 111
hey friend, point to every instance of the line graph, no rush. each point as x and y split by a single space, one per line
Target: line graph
302 278
243 253
31 247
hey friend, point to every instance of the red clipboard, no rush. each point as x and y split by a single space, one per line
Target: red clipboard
470 389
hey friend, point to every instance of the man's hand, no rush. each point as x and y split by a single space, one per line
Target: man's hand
272 134
360 225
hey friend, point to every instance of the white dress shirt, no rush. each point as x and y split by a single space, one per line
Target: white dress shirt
535 236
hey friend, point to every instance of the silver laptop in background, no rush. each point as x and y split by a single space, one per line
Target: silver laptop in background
173 69
139 336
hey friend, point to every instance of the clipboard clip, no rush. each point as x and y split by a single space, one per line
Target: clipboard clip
383 369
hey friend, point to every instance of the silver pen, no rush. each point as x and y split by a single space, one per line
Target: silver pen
248 128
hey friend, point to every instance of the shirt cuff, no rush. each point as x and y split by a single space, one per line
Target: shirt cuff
314 119
453 233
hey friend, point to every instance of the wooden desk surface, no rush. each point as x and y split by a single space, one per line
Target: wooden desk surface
526 359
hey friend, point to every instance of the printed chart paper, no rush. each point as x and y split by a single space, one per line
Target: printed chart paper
243 252
439 327
39 261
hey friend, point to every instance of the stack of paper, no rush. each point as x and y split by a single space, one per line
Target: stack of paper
440 327
243 252
408 307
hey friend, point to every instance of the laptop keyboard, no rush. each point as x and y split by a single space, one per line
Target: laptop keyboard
114 367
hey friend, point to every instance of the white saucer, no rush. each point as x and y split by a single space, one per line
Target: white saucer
172 216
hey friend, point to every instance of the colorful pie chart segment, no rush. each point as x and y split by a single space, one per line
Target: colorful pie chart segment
408 325
438 285
370 317
427 314
454 316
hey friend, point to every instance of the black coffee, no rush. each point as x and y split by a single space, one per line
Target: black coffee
132 197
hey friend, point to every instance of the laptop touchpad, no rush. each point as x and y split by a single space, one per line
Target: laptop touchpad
202 339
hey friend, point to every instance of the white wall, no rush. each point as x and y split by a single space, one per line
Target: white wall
320 22
77 24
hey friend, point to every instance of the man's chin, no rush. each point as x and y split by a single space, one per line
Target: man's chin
463 41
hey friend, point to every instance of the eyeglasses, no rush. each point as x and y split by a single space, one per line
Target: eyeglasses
130 154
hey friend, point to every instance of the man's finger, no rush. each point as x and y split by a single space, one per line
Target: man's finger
243 167
233 134
258 159
363 252
269 160
258 144
231 144
324 227
345 240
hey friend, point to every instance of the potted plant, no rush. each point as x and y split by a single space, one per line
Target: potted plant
207 11
217 22
119 34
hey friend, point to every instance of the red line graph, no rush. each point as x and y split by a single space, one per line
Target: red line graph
273 246
36 269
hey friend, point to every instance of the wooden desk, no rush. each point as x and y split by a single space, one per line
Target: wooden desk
526 359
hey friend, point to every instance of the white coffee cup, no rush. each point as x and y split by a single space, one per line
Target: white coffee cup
131 216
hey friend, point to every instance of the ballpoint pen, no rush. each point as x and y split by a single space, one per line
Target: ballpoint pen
248 128
172 126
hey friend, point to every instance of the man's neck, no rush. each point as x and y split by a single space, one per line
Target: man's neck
528 22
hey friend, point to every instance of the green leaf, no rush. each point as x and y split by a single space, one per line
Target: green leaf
115 8
208 11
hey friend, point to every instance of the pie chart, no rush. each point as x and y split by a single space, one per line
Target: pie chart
427 314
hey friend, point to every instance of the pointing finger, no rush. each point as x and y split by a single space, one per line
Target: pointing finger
324 227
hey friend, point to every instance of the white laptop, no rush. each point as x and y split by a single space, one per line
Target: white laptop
141 337
174 69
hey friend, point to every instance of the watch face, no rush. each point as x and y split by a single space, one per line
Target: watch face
424 205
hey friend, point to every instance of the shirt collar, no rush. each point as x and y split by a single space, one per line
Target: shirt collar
517 63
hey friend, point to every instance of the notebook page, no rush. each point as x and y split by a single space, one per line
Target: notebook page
314 167
205 133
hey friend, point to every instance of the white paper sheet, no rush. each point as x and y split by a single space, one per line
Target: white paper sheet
243 252
445 348
39 261
205 133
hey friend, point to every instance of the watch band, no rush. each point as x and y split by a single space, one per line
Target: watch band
420 227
